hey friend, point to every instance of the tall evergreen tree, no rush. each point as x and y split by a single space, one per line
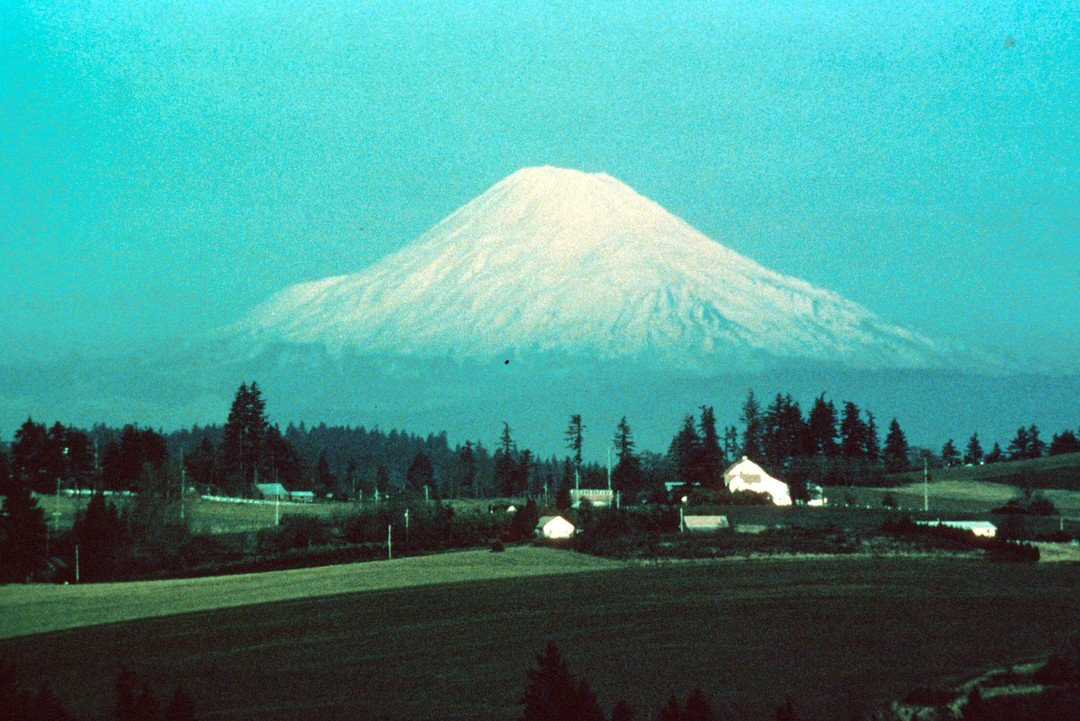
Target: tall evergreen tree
421 473
1036 447
853 432
552 693
626 476
949 455
698 708
181 707
1020 447
467 463
872 450
895 453
244 435
731 443
753 440
574 437
505 471
23 535
684 452
29 457
712 456
785 432
1064 442
821 427
974 452
996 455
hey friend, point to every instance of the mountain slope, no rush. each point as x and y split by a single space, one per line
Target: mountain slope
559 261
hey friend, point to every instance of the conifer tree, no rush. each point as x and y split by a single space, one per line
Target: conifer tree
181 707
244 436
949 455
711 455
626 476
1064 442
974 452
872 451
1020 447
753 445
23 535
895 453
684 452
996 455
853 432
1036 446
821 427
421 473
467 462
574 437
731 443
671 711
698 708
551 693
505 468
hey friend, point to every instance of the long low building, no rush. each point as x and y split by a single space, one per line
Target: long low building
986 529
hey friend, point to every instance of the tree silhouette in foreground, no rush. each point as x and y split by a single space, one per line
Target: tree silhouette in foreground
553 694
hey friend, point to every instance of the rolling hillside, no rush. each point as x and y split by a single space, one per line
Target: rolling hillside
1061 471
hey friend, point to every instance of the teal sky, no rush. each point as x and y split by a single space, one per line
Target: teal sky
163 166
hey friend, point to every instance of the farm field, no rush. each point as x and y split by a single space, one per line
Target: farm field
45 607
1060 471
223 517
836 634
954 497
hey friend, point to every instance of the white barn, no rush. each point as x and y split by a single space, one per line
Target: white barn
555 527
749 476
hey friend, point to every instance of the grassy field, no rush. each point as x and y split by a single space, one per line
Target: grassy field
1060 471
836 634
955 497
221 517
26 609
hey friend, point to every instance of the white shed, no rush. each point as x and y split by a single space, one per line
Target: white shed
704 523
749 476
555 527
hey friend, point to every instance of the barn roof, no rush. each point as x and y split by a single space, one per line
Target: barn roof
271 489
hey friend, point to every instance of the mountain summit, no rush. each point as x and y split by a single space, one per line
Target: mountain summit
551 260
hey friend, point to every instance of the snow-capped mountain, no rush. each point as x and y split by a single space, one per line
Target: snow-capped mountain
555 260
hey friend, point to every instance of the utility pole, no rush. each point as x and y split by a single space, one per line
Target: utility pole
183 479
389 542
76 563
577 479
925 486
406 524
609 469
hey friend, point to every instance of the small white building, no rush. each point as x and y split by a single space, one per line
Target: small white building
816 494
302 496
597 497
749 476
979 528
555 527
704 523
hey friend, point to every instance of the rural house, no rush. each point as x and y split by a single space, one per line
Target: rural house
271 491
555 527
